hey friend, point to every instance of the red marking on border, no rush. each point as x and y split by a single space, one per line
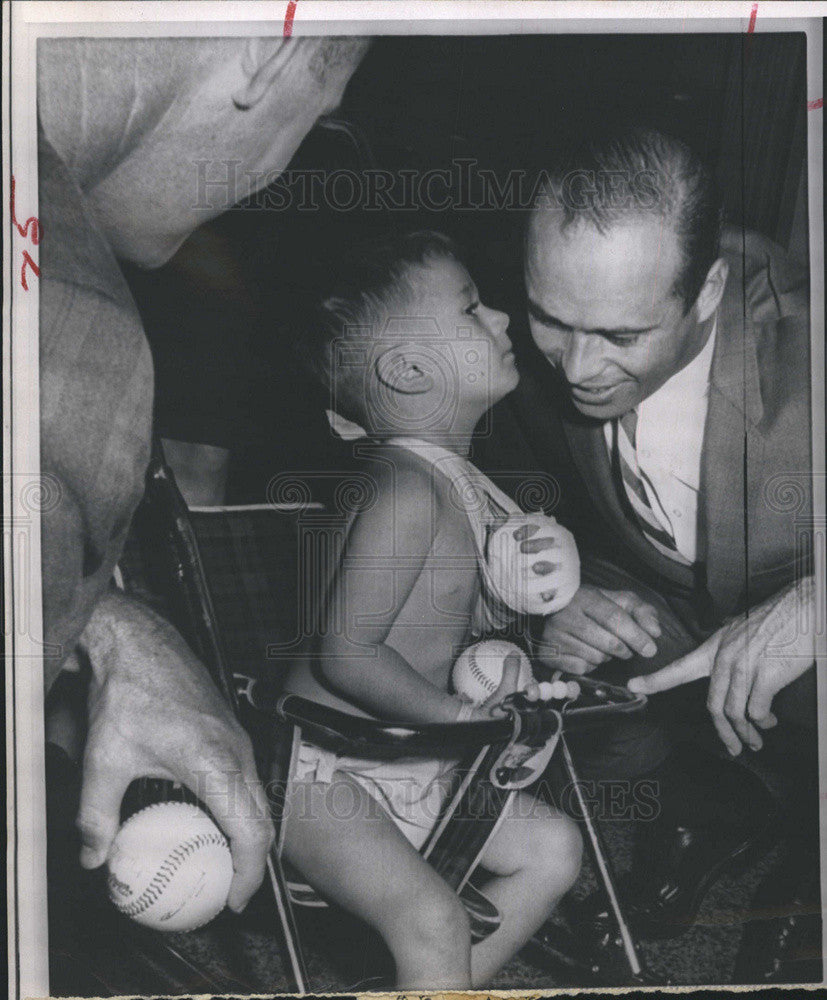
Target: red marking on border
752 18
32 223
288 18
813 105
27 261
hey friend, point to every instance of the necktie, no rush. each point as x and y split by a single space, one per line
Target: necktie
652 522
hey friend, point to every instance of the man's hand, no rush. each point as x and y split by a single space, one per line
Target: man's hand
748 662
155 712
597 625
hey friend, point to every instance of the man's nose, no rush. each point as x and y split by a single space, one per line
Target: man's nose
581 358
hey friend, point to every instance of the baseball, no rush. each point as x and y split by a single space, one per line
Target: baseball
516 581
478 670
170 867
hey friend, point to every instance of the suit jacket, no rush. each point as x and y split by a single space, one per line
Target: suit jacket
755 496
95 409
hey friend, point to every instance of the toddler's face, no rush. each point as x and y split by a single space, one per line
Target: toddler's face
450 322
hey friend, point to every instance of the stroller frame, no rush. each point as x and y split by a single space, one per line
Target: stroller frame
169 531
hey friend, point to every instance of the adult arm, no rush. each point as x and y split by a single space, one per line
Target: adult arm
748 661
154 711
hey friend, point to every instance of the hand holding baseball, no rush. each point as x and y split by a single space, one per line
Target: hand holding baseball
154 711
534 564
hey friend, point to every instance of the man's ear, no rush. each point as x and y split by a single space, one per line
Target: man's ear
403 369
263 60
712 290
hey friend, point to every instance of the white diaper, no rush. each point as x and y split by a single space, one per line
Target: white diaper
411 790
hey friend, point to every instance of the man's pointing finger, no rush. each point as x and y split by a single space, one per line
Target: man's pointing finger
688 668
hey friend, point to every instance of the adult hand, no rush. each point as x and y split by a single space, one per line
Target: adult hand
597 625
154 711
748 662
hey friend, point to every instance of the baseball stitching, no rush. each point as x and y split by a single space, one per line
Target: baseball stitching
480 676
167 869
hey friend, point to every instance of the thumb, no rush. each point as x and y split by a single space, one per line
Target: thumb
688 668
99 815
511 673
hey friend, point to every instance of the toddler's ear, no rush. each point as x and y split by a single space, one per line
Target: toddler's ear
263 60
403 369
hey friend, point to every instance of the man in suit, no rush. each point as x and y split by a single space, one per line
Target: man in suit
141 141
674 411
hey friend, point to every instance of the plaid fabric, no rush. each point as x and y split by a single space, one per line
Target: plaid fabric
252 558
252 565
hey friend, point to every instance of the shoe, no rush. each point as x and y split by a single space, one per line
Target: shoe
568 958
782 938
580 961
697 837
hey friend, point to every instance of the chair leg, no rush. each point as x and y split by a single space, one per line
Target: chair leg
287 920
604 869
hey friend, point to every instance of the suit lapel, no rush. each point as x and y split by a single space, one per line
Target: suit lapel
732 462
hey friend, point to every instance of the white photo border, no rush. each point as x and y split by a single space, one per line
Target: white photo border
24 21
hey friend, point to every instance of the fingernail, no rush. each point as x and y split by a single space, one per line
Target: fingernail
623 653
650 649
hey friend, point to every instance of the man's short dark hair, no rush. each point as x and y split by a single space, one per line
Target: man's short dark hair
351 297
639 170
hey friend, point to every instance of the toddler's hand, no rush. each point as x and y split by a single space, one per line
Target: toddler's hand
508 685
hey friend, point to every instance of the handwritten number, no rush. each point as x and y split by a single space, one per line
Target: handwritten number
28 260
32 223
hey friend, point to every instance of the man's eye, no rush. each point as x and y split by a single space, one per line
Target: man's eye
623 341
472 308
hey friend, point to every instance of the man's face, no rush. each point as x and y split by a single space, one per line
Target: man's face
602 309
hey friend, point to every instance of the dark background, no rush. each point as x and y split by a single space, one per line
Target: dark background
215 313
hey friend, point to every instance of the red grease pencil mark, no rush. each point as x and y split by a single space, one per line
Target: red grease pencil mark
27 260
288 18
32 223
750 30
814 105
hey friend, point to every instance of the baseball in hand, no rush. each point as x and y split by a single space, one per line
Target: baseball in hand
170 867
478 670
518 575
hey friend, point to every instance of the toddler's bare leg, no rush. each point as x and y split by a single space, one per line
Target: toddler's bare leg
534 858
351 852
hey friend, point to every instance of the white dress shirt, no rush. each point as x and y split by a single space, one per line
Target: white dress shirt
670 434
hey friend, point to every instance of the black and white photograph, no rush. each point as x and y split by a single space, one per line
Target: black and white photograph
414 547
